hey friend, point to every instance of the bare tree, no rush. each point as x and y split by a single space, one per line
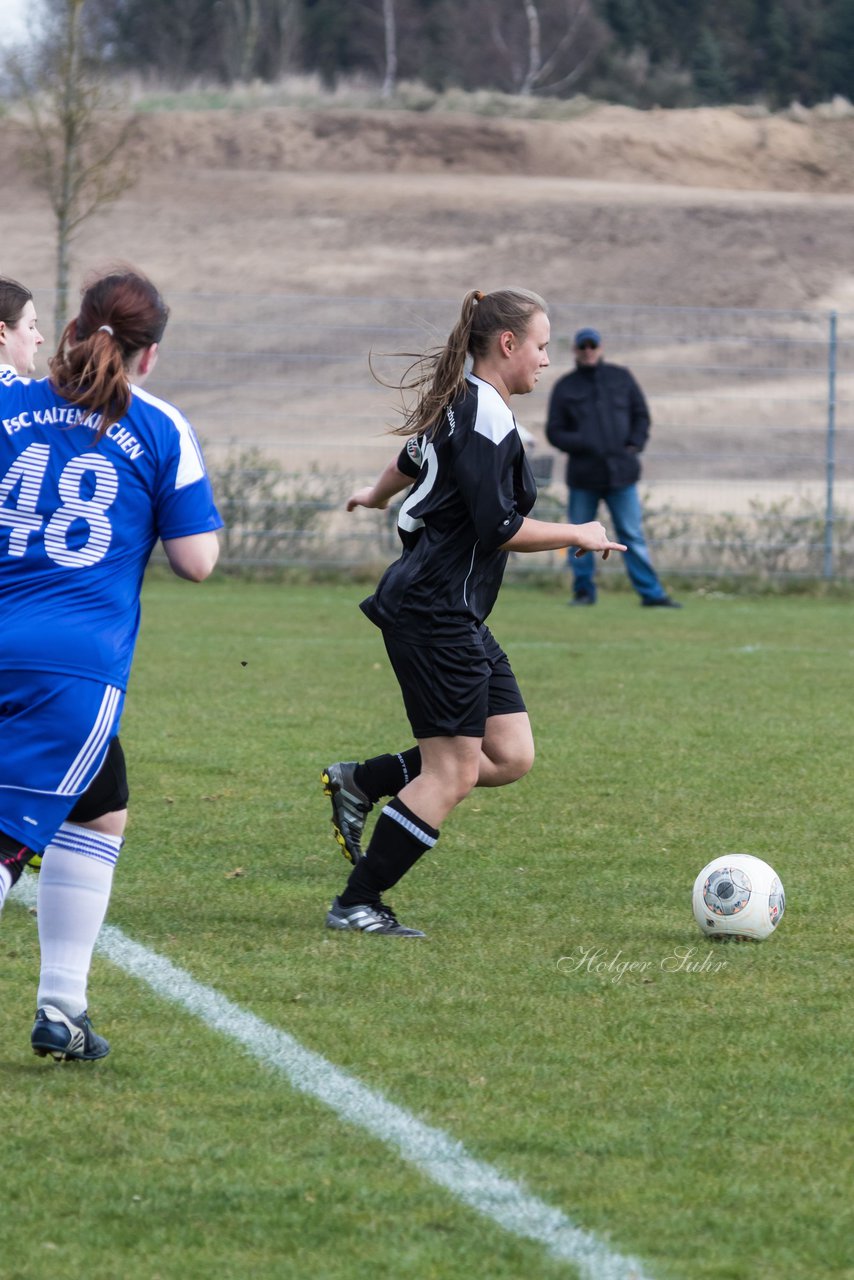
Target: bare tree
569 29
535 60
249 23
245 36
76 154
376 29
390 28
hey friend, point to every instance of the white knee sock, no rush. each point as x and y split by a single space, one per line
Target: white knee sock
5 884
73 894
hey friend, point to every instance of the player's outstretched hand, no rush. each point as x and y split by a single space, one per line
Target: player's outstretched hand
366 498
594 537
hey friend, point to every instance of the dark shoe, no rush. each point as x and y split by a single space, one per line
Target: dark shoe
583 597
66 1039
663 602
368 919
14 856
350 808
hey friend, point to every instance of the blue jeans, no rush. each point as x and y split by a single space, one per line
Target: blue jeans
625 508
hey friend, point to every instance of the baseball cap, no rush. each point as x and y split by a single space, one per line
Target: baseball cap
587 335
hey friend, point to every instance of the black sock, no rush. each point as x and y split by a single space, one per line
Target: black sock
386 775
13 855
398 841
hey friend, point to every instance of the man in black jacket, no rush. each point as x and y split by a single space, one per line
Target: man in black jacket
599 417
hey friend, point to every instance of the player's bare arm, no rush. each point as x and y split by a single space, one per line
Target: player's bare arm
379 494
547 535
193 557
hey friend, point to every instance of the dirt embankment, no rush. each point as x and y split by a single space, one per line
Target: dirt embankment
705 147
708 147
712 207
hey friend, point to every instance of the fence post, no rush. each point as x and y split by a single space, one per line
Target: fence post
830 447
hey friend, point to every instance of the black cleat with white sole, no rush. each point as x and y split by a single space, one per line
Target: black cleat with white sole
369 918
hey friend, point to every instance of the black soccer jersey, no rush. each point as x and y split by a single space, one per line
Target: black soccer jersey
473 488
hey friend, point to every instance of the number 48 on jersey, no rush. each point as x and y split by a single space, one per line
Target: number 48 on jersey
21 490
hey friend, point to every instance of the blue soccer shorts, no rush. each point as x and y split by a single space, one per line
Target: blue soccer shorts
55 731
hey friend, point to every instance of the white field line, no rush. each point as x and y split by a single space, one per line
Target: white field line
437 1155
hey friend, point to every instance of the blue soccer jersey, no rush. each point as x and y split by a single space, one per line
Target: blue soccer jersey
78 520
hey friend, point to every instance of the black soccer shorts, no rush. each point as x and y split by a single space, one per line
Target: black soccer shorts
452 690
108 790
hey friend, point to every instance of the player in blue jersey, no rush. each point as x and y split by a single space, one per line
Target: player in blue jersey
20 340
468 507
93 471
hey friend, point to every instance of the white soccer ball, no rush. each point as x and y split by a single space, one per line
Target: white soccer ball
738 896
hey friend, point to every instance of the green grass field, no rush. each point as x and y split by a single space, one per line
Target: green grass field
692 1110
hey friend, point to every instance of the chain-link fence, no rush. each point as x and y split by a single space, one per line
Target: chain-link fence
749 468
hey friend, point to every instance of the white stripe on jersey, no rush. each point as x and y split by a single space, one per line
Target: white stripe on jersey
190 465
404 519
94 745
494 419
468 575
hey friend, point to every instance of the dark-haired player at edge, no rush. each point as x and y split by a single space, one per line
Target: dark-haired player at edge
467 508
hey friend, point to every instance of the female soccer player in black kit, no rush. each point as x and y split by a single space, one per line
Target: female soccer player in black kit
468 506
